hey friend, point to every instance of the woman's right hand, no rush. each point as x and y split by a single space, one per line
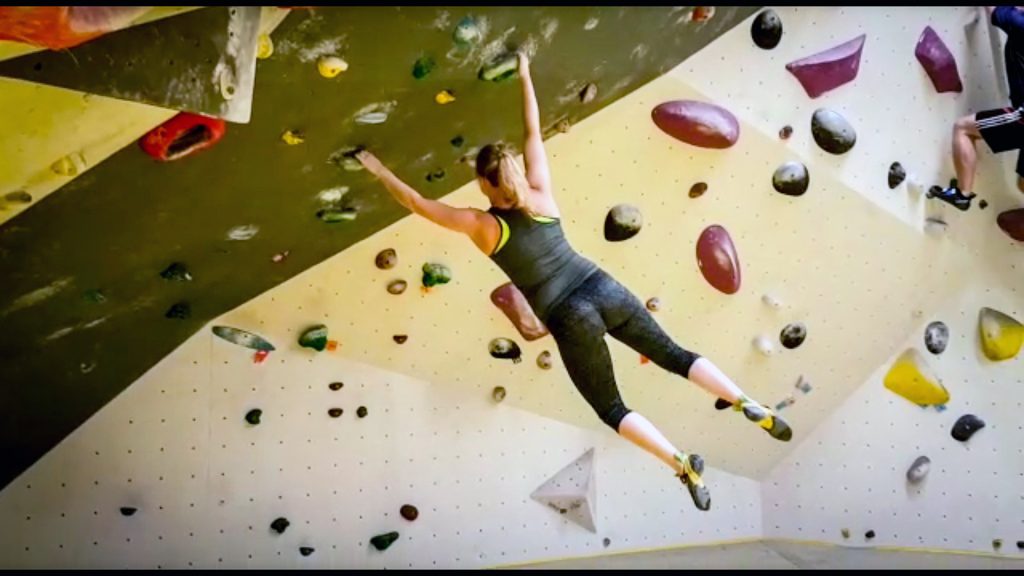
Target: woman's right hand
370 162
524 62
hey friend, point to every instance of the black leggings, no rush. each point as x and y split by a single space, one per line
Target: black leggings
578 324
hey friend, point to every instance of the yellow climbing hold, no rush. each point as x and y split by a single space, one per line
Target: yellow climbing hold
911 378
444 97
69 165
292 138
1001 335
331 66
265 47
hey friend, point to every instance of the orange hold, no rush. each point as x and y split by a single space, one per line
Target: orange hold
260 356
644 359
332 345
59 27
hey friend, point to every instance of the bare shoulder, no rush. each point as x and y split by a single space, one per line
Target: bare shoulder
545 202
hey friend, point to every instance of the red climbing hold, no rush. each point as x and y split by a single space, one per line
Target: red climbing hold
717 259
181 136
1012 222
511 301
830 69
938 62
644 359
698 123
260 356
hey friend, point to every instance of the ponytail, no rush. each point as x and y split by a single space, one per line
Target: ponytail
496 164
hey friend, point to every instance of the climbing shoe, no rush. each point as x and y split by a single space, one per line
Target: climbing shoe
693 467
952 195
765 418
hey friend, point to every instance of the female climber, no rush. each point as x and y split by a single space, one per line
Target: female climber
579 302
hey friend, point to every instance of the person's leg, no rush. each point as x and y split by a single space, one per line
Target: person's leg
965 156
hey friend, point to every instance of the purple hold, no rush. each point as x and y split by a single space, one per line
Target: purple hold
938 62
830 69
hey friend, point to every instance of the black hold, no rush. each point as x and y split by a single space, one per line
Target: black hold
997 543
95 295
361 412
505 349
253 416
791 179
458 141
177 272
869 534
721 404
280 525
382 541
563 511
607 542
128 510
622 223
766 30
423 66
936 337
386 259
335 386
896 175
179 311
18 197
983 204
334 412
832 132
397 287
1020 544
785 132
588 93
305 550
400 338
436 176
409 512
698 189
498 394
793 335
966 426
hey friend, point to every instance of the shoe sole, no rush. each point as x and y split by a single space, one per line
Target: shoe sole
780 430
700 494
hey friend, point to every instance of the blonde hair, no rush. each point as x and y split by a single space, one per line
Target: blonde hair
496 164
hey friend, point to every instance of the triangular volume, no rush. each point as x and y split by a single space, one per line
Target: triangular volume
572 491
202 61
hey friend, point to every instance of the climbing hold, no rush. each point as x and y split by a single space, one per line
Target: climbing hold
791 179
335 412
919 469
458 141
517 309
501 67
1012 222
397 286
315 338
498 394
766 29
434 274
544 360
335 386
1020 544
69 165
292 137
607 542
572 491
697 123
785 132
997 543
305 550
1001 334
622 223
563 126
435 176
331 66
176 271
938 62
95 295
444 97
181 136
382 541
400 338
279 257
764 345
654 304
242 233
409 512
361 412
423 66
698 190
913 379
505 349
702 13
869 534
588 93
896 175
936 337
18 197
983 204
466 32
346 159
332 215
966 426
128 510
179 311
832 132
253 416
386 259
265 47
717 259
242 338
793 335
772 301
829 69
280 525
802 384
845 532
785 403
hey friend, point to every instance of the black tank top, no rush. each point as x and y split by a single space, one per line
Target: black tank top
533 252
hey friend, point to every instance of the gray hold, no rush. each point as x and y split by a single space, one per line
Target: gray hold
832 132
936 337
919 469
622 223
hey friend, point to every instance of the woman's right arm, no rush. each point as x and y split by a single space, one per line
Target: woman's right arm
537 173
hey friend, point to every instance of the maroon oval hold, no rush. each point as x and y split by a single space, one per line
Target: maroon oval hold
717 259
698 123
1012 222
511 301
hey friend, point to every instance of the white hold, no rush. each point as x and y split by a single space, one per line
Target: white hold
591 24
243 232
772 301
332 195
764 345
935 226
914 185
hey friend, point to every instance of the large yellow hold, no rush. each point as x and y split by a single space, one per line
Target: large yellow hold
911 378
1001 335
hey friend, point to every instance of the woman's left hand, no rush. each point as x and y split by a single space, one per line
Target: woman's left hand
370 162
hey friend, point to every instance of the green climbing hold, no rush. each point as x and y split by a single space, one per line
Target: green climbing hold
332 215
791 179
506 349
466 32
382 541
253 416
423 66
315 337
502 67
179 311
176 272
280 525
95 295
434 274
